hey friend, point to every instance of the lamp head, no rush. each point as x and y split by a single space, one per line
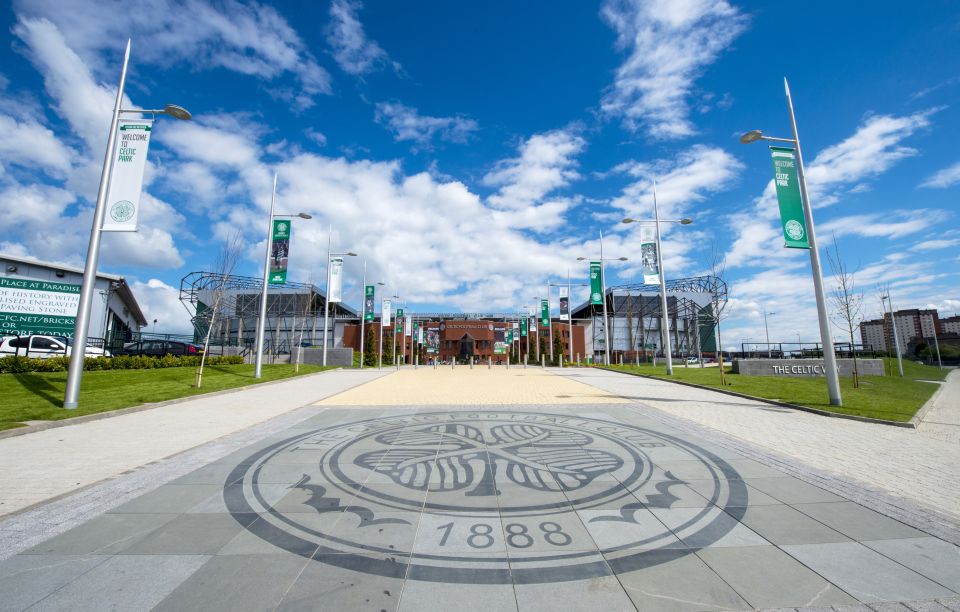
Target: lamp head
629 220
621 258
305 215
177 112
686 221
581 258
751 136
350 254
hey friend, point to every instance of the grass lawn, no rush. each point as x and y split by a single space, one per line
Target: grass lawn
879 397
38 396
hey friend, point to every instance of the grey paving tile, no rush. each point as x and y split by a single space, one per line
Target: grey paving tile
236 584
604 593
864 573
326 587
748 468
171 498
790 490
688 470
932 557
706 527
422 596
638 529
784 525
889 606
444 534
953 603
738 498
104 535
926 606
664 495
857 522
768 577
672 582
124 582
190 534
216 473
26 579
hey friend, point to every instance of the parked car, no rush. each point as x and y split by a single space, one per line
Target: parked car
159 348
692 360
44 347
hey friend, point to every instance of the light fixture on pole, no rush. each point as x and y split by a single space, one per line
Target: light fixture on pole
896 337
71 395
569 287
380 333
767 330
363 310
262 320
326 292
826 338
664 315
603 289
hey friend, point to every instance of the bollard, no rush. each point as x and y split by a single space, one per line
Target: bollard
525 361
543 361
578 360
471 363
489 363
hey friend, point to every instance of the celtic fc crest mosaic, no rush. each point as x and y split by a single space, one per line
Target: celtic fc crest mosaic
480 497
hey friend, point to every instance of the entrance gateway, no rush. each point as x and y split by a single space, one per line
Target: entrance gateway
481 497
466 346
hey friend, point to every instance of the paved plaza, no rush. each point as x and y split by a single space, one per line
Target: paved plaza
496 489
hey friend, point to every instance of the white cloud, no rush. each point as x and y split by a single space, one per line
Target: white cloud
252 39
407 124
669 43
160 301
354 52
932 245
28 143
546 162
947 177
889 224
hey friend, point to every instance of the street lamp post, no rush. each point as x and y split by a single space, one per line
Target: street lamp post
826 338
896 337
363 310
326 291
665 318
71 395
767 330
603 290
262 321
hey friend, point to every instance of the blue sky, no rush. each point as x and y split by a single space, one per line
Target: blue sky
470 153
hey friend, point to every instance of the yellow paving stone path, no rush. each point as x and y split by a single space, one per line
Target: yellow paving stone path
464 386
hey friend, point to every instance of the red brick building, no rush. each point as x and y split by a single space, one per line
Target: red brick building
462 339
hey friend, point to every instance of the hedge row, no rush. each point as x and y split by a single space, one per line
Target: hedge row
17 365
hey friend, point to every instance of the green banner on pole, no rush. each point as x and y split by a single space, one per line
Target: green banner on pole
788 196
399 320
523 327
279 251
544 313
596 283
369 294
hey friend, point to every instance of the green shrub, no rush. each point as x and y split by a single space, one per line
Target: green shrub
14 364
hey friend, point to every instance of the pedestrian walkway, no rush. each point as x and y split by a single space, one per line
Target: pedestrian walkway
46 464
607 503
942 422
897 460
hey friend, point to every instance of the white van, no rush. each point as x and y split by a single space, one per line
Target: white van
43 347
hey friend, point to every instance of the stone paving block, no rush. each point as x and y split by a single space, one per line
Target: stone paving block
600 594
932 557
857 522
889 607
926 606
678 583
707 527
784 525
790 490
236 584
767 576
749 496
171 498
950 602
105 535
26 579
124 582
424 596
865 574
190 534
328 588
642 531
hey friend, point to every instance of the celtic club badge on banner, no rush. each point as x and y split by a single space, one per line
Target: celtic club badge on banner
279 252
648 255
126 181
596 283
788 197
368 301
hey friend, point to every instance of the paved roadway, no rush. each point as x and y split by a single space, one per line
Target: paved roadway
523 489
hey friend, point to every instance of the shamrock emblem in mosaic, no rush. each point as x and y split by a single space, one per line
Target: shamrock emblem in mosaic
455 456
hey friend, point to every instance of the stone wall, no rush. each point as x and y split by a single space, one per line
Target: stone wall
335 356
804 368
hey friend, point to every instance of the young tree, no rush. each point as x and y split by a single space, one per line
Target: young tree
847 302
557 348
224 265
370 347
